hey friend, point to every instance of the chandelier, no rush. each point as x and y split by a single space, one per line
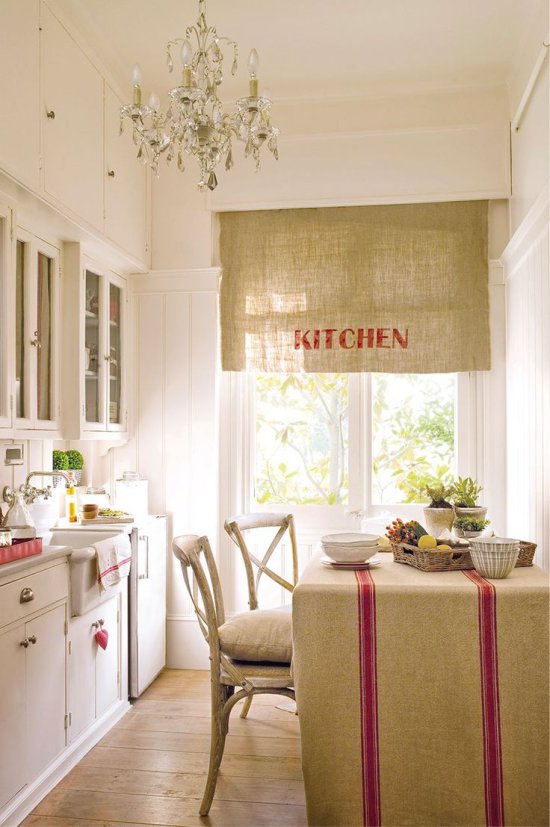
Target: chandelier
194 122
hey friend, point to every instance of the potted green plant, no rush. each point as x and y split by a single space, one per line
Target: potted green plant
464 496
76 463
59 463
469 526
439 513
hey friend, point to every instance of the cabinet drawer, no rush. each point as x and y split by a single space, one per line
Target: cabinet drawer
46 587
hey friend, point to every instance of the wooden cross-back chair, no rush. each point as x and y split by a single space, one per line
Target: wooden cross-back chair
235 526
250 675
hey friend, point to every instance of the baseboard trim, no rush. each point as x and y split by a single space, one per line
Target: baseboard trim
27 799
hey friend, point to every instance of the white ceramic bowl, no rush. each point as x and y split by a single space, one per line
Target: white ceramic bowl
343 554
494 564
350 538
496 544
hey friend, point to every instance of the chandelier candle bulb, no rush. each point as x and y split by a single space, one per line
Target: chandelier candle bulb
253 64
154 101
136 81
186 59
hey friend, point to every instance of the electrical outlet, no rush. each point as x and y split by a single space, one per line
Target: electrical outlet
13 453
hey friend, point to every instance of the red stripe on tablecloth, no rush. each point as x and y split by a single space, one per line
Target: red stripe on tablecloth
369 699
487 618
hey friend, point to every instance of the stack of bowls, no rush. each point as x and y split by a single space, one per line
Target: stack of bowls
494 557
350 547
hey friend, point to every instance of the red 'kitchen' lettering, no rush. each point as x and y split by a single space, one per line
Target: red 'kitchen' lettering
328 336
342 338
300 340
382 333
371 337
397 337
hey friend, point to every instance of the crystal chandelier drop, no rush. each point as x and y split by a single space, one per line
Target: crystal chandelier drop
195 123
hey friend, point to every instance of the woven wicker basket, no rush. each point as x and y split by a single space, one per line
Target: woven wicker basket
454 559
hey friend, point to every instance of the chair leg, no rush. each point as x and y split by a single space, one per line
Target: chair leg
246 706
217 744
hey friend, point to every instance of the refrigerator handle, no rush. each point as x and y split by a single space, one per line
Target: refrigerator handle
145 538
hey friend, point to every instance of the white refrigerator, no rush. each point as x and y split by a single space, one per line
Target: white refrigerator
147 603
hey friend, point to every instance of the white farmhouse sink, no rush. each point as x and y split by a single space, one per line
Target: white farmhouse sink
85 592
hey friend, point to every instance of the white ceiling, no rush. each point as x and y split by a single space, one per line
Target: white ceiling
319 47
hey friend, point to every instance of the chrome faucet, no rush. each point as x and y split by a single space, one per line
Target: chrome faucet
29 493
63 474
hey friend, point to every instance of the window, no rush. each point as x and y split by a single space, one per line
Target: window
301 439
325 444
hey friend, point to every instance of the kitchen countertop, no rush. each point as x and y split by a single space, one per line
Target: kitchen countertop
47 554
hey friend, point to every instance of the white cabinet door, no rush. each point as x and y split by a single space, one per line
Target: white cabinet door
37 331
20 90
72 124
46 703
13 770
125 184
107 660
148 606
81 673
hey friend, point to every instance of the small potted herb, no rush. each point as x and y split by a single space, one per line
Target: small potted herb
439 513
465 496
469 526
59 463
76 463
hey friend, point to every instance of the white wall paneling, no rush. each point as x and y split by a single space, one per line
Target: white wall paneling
386 167
175 440
528 380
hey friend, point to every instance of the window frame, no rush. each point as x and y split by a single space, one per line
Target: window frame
239 395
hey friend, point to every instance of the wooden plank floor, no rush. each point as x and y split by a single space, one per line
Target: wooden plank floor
151 767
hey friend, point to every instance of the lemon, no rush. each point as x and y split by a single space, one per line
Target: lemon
443 548
427 541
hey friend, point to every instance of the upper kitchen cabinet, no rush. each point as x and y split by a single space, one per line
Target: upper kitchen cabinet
94 367
37 327
72 123
20 90
125 184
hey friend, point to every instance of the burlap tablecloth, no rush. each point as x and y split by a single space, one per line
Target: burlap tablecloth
422 697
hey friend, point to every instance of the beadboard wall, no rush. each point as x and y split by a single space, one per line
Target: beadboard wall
527 276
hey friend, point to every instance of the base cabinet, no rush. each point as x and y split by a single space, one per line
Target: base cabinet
94 672
32 678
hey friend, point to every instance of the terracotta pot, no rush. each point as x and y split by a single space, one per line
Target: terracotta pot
438 520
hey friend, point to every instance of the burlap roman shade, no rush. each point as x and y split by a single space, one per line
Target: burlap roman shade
395 289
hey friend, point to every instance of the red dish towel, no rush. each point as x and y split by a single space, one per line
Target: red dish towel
113 560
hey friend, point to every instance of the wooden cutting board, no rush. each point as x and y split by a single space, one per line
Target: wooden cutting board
107 520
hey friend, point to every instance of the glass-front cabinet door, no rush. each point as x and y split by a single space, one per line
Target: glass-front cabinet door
36 392
93 378
6 316
104 302
115 360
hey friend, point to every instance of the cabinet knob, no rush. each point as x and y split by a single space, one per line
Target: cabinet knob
98 624
111 173
50 114
36 341
108 358
32 639
26 595
24 643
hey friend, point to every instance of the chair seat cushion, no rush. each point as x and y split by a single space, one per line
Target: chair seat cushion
259 635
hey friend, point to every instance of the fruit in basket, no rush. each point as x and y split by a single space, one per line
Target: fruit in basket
409 532
427 541
443 547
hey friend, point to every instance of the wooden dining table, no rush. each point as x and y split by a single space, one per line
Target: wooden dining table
422 697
